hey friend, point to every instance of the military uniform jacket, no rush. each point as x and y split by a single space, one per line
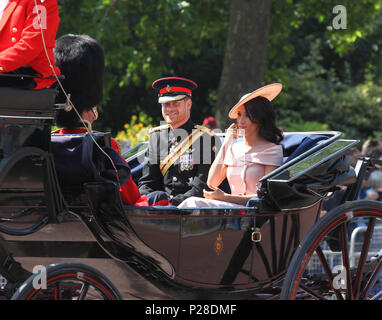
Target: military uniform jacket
188 175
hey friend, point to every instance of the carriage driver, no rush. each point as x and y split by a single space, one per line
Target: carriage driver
27 37
180 153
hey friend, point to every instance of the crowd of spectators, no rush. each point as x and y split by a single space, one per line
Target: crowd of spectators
372 185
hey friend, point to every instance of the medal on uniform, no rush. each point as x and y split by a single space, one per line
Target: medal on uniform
186 162
182 152
173 144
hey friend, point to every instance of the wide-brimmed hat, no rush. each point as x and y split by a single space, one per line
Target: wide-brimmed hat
173 88
269 91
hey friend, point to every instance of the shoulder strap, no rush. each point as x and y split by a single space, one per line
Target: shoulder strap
158 128
205 129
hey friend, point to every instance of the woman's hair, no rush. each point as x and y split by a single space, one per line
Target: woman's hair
81 61
260 110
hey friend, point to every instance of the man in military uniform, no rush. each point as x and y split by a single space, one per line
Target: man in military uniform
180 153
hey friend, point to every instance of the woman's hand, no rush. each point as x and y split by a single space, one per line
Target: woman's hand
231 132
216 194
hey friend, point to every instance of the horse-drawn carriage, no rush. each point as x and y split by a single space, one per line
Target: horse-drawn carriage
281 245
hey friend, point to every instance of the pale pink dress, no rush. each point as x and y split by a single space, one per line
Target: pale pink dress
244 170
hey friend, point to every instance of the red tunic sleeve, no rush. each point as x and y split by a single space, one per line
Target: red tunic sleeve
129 191
22 42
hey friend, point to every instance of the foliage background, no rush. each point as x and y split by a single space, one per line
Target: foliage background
331 78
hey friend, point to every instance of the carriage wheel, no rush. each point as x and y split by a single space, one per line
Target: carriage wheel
341 256
67 281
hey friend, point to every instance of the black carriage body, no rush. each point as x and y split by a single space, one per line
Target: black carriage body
230 249
164 252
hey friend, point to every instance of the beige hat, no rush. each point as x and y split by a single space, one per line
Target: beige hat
269 91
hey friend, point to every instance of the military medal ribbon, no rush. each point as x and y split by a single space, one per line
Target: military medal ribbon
179 150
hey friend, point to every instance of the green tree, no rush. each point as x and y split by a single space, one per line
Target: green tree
322 69
144 40
249 48
326 73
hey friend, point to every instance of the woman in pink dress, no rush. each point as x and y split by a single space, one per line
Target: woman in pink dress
244 162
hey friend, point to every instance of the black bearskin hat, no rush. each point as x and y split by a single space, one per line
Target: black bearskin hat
81 61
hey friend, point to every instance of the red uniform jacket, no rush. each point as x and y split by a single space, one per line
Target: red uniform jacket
21 41
129 191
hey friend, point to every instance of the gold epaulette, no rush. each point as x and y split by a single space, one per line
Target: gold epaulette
205 129
165 126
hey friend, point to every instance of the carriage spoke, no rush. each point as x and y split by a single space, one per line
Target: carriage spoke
328 272
363 257
311 292
84 291
345 260
326 249
57 291
372 280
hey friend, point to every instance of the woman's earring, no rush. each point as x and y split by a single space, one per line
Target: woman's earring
95 112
